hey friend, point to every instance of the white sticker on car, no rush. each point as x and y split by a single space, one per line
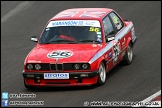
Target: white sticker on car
116 50
93 23
99 33
60 54
56 75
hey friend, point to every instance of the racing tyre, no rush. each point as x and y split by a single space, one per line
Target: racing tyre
28 87
102 74
128 55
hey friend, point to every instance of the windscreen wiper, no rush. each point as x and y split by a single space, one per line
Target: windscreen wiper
58 41
87 41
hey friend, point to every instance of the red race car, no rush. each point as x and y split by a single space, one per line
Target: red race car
77 47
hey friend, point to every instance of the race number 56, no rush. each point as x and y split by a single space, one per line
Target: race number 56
60 54
116 49
93 29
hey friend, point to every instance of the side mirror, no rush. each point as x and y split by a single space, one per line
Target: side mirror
110 38
34 38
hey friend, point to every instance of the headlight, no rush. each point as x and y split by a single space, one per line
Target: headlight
37 66
29 66
76 66
85 66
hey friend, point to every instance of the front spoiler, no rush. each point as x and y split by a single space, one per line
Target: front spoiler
72 75
75 79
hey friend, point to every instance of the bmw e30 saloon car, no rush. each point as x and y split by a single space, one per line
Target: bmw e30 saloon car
77 47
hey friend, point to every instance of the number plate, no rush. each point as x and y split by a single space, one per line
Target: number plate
56 75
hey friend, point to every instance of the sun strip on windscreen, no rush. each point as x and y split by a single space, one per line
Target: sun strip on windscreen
93 23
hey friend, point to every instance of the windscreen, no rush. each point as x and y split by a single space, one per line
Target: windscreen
78 31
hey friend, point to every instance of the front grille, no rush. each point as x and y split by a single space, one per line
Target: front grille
56 67
45 66
68 66
53 66
59 66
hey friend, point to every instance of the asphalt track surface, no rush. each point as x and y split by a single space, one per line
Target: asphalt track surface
20 20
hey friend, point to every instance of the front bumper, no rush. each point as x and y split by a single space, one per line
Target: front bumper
75 79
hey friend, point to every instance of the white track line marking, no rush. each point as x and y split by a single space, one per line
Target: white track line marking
14 11
148 99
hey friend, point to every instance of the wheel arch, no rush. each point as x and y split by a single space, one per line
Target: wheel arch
100 61
129 40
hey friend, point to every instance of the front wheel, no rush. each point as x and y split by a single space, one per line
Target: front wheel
102 74
128 55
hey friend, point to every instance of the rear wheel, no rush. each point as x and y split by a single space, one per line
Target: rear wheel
102 74
128 55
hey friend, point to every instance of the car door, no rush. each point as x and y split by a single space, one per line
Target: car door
109 31
120 41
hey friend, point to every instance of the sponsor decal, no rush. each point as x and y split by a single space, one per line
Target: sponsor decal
116 50
99 36
93 29
99 39
123 42
56 75
93 23
117 23
115 20
123 53
94 45
60 54
110 54
99 33
99 45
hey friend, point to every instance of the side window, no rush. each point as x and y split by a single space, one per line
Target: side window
117 21
108 27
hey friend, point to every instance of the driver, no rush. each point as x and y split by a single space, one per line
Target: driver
66 33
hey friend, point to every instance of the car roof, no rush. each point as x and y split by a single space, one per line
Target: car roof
82 13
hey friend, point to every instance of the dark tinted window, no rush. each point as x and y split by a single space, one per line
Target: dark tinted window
73 33
108 27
